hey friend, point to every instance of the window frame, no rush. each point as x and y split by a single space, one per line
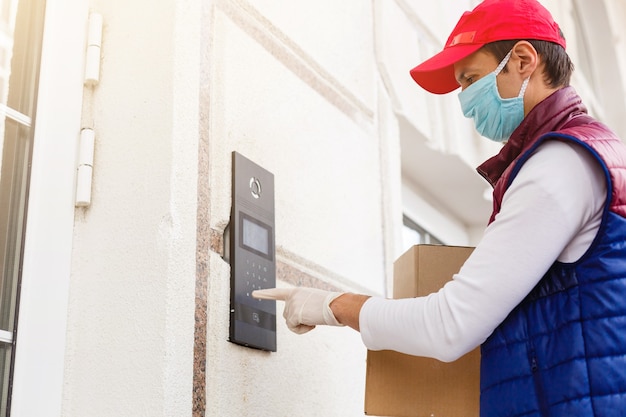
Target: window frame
43 310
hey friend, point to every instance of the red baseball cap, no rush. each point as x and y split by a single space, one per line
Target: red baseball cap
491 20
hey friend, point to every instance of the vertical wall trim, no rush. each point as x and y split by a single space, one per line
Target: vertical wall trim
204 235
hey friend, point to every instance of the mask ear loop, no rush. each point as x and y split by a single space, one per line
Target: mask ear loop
502 63
523 89
501 66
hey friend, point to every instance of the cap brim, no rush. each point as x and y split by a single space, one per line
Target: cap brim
436 74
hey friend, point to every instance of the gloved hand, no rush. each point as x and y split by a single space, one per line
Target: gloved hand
304 307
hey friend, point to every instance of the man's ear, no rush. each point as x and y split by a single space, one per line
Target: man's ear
525 58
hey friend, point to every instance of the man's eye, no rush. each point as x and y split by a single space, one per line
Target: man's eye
469 80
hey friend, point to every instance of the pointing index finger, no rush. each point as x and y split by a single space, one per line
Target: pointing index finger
271 294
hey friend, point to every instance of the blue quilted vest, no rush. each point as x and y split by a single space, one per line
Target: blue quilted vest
562 350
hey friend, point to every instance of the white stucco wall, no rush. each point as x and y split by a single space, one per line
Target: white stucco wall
130 322
326 166
308 117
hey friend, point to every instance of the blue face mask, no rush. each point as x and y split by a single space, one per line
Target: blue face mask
494 117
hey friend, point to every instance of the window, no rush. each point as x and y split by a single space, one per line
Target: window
413 234
21 27
584 49
598 48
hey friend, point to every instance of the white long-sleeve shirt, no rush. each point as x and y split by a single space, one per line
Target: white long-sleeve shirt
551 211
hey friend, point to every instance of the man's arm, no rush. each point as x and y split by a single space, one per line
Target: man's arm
347 308
542 212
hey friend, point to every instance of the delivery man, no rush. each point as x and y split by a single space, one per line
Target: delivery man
544 292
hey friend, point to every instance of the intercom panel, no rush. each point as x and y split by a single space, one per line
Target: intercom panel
252 255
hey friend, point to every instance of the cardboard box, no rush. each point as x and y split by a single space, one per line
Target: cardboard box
401 385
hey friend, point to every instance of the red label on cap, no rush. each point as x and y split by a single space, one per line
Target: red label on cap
465 37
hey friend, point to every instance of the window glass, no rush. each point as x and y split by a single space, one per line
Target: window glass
21 27
414 234
5 361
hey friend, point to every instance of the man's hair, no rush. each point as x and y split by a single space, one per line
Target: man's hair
558 67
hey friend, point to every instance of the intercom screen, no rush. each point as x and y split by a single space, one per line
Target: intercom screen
256 236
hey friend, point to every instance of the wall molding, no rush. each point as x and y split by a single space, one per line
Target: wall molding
295 59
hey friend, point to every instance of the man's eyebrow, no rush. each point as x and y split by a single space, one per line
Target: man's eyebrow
467 73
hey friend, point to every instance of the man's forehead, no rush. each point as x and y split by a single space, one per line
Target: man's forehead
478 61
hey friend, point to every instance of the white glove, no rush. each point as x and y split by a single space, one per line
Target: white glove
304 307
